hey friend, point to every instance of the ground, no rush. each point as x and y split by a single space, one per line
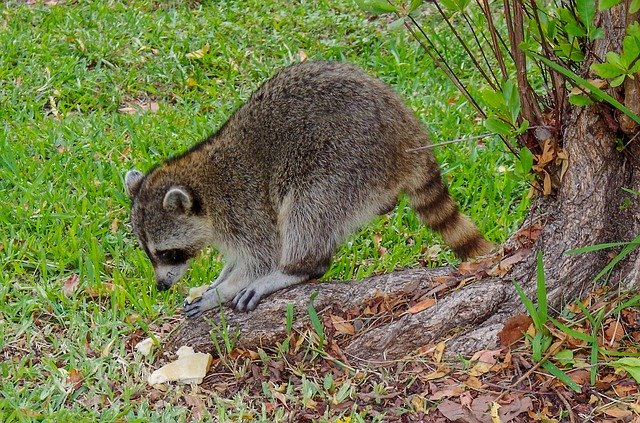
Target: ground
91 89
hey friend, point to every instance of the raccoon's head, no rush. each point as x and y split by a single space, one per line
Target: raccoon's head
170 225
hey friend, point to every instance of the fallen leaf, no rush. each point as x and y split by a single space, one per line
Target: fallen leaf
514 329
114 225
74 379
435 375
302 56
617 412
422 305
508 262
453 391
509 412
70 285
614 333
453 411
495 417
438 352
107 348
342 326
198 54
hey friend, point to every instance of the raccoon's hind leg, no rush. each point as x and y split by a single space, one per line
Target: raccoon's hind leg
439 211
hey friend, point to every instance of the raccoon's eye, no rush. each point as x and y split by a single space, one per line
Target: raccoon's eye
173 256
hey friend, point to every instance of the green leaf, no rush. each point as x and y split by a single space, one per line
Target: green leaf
572 332
414 5
561 376
597 247
616 82
621 255
498 126
541 289
376 7
630 47
595 91
575 29
629 364
315 320
528 304
525 161
397 24
616 60
580 100
608 4
606 70
565 357
634 6
586 11
511 99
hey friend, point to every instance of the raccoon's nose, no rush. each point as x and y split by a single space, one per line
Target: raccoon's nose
162 285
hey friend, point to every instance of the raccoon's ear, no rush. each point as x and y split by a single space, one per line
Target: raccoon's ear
132 181
177 199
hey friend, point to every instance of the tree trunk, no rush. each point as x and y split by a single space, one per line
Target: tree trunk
590 207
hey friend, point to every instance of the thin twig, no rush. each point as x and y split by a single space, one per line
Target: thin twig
441 63
530 371
572 416
430 146
494 37
466 48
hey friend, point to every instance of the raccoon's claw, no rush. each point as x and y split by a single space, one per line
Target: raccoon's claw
193 309
246 300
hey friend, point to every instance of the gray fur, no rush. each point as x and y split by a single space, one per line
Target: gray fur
318 150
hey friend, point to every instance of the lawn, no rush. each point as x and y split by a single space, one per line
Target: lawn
91 89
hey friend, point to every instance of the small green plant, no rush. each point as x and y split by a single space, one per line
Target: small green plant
220 332
316 323
542 339
628 247
618 67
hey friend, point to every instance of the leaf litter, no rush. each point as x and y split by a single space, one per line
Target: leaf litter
294 381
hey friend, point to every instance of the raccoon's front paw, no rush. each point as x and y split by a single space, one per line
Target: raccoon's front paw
248 298
195 308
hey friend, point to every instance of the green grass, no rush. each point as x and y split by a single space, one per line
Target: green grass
66 70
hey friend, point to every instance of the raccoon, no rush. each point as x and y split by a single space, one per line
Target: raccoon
317 150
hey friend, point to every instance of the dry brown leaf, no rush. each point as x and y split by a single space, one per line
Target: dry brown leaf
614 333
449 392
74 379
546 183
473 382
480 368
377 242
438 352
502 268
422 305
514 329
302 56
438 374
70 285
617 412
580 376
114 225
453 411
342 326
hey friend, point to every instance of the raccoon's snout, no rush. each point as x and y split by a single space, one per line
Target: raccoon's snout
162 285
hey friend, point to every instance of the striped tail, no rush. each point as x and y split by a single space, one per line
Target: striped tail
439 211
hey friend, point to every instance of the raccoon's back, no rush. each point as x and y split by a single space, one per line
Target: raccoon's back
325 111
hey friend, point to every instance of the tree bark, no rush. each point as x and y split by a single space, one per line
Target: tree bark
590 207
